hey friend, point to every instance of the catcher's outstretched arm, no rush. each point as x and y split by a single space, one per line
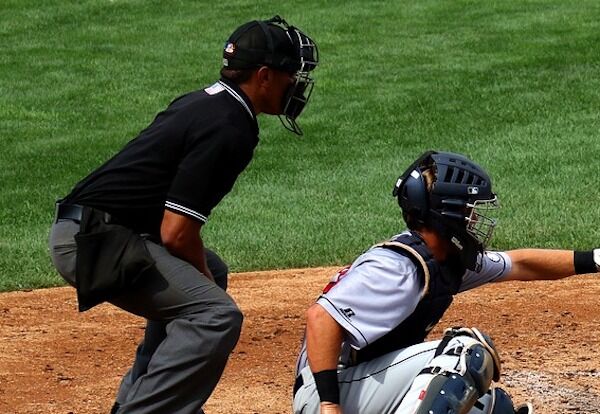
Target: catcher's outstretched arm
547 264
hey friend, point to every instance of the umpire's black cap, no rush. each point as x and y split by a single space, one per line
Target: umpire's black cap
262 43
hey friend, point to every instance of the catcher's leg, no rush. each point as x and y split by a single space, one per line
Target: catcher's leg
372 387
460 373
497 401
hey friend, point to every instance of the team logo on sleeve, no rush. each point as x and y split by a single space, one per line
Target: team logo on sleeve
336 278
494 257
348 312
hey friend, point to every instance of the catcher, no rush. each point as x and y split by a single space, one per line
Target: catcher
364 349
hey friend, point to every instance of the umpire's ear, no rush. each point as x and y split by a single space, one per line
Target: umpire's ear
264 75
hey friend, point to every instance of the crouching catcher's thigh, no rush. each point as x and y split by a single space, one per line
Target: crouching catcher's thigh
462 370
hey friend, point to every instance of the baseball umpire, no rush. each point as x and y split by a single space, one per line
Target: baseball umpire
129 233
364 349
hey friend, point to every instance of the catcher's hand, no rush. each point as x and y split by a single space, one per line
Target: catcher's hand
330 408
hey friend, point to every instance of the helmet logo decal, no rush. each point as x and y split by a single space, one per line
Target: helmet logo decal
473 190
415 174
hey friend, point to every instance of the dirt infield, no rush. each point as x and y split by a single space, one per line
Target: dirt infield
55 360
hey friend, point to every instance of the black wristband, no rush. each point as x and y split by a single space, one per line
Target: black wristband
327 385
584 262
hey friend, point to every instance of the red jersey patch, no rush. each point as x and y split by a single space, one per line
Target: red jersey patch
336 278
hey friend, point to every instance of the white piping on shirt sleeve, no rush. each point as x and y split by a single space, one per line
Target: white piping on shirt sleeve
187 211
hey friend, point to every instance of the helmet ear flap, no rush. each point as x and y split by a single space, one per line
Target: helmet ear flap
411 190
413 197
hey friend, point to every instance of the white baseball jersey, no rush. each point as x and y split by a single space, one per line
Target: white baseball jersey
381 289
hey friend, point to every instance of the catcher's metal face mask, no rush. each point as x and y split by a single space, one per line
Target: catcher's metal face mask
299 92
469 227
479 223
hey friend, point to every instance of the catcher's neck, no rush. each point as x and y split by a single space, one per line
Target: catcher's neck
440 247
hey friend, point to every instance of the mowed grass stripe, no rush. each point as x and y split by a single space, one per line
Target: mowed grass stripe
512 84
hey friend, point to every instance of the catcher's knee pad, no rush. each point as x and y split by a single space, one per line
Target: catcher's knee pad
456 377
484 339
478 367
497 401
447 393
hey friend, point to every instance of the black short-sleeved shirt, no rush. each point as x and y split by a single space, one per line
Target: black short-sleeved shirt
186 160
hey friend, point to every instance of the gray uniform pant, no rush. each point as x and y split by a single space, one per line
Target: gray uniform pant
382 385
373 387
193 326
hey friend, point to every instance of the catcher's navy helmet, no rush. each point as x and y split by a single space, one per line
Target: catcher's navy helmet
455 203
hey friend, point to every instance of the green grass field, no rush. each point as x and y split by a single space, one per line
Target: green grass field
513 84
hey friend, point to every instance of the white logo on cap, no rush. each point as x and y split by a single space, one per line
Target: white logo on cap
229 48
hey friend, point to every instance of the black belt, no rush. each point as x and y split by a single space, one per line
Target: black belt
297 384
74 212
69 212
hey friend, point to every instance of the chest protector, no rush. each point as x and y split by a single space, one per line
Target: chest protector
440 281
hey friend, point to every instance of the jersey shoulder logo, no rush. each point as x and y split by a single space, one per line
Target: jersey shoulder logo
336 278
493 256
